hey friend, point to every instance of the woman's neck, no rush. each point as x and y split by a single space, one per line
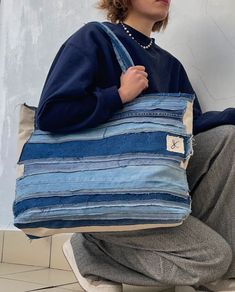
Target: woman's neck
144 26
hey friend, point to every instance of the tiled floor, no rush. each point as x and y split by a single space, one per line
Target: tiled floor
20 278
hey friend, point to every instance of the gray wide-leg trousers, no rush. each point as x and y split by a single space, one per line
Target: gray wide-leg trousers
199 251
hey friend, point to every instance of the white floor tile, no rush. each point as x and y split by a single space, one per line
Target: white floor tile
7 285
130 288
7 269
48 277
126 288
58 260
72 287
57 289
18 249
24 278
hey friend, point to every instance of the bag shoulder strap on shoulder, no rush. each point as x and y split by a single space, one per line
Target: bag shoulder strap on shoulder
124 59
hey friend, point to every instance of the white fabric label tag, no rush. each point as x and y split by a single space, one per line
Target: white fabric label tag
175 144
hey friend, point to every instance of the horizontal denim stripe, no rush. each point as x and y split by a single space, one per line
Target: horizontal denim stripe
178 115
115 211
130 143
104 212
30 191
159 103
96 134
132 118
102 188
188 96
177 197
160 177
47 167
94 159
92 192
119 212
151 120
75 223
86 200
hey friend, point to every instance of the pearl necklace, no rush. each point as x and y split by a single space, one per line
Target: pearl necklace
128 32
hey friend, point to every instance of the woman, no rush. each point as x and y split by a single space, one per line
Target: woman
84 87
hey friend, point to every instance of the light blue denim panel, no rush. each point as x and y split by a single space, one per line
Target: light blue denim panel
107 158
153 177
143 119
120 212
150 105
95 159
112 129
138 120
47 167
83 194
110 210
187 96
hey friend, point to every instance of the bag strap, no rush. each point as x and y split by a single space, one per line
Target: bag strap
124 59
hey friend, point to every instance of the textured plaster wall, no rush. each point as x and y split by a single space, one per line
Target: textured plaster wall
200 33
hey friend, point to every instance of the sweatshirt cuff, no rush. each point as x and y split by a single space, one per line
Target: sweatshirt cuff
112 98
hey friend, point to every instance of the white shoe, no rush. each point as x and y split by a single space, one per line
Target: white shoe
184 289
91 283
221 286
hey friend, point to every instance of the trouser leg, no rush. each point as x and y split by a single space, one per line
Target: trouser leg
188 254
211 177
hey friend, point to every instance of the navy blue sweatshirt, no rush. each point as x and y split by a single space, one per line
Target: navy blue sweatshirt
81 88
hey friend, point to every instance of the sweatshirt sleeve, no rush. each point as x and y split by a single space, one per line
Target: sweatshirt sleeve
70 100
208 120
212 119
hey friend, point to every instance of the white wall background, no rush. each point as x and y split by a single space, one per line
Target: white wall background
201 34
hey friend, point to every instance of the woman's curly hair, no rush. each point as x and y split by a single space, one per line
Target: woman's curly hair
117 10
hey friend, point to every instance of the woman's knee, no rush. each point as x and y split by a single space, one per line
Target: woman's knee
226 133
219 258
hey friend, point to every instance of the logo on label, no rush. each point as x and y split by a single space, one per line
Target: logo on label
175 144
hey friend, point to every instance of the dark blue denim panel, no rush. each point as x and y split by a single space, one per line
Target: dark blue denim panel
115 214
120 158
56 224
120 144
84 200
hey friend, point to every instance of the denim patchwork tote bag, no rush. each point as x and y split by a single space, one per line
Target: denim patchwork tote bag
126 174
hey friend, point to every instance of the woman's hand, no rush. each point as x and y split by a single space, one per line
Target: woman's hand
133 82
